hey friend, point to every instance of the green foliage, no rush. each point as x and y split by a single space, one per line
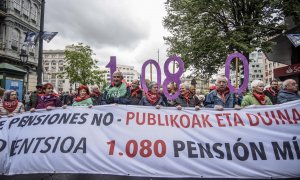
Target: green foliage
80 67
205 32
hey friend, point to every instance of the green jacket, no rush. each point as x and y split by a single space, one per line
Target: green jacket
251 100
86 102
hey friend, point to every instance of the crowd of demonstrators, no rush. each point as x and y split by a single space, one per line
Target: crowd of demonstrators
257 97
152 97
272 91
118 92
83 97
121 92
10 104
221 97
289 91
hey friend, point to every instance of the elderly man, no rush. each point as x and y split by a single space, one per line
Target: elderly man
118 92
272 91
34 96
289 92
136 92
187 98
221 97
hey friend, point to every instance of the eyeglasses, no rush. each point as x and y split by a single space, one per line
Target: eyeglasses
117 76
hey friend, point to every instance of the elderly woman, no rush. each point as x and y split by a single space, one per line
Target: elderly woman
83 97
96 95
152 97
257 97
49 100
10 104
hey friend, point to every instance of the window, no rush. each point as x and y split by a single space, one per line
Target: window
26 7
34 13
53 76
17 6
61 69
15 39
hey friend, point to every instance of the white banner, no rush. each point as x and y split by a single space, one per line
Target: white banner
257 142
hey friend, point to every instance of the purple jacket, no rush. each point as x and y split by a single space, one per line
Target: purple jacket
45 101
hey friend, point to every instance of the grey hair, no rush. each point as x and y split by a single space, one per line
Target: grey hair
285 83
221 77
255 83
151 84
118 73
186 86
94 87
6 95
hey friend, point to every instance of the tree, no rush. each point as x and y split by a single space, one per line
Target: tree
205 32
80 67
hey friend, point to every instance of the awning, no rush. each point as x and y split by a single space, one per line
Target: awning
287 70
9 67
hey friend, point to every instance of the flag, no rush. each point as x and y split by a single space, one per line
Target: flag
295 39
48 36
31 38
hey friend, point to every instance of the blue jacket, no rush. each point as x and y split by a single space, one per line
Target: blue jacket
286 96
212 99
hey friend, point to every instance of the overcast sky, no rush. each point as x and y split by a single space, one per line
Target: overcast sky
132 30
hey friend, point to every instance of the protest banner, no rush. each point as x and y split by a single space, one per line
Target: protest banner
255 142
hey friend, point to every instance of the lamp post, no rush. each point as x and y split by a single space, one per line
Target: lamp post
24 60
40 58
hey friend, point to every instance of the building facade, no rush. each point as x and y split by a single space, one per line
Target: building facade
53 61
129 73
16 18
269 67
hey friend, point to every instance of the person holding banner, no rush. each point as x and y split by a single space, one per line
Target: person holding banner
118 92
186 98
152 97
272 91
34 96
136 92
96 95
257 97
221 97
289 91
49 100
83 97
10 104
